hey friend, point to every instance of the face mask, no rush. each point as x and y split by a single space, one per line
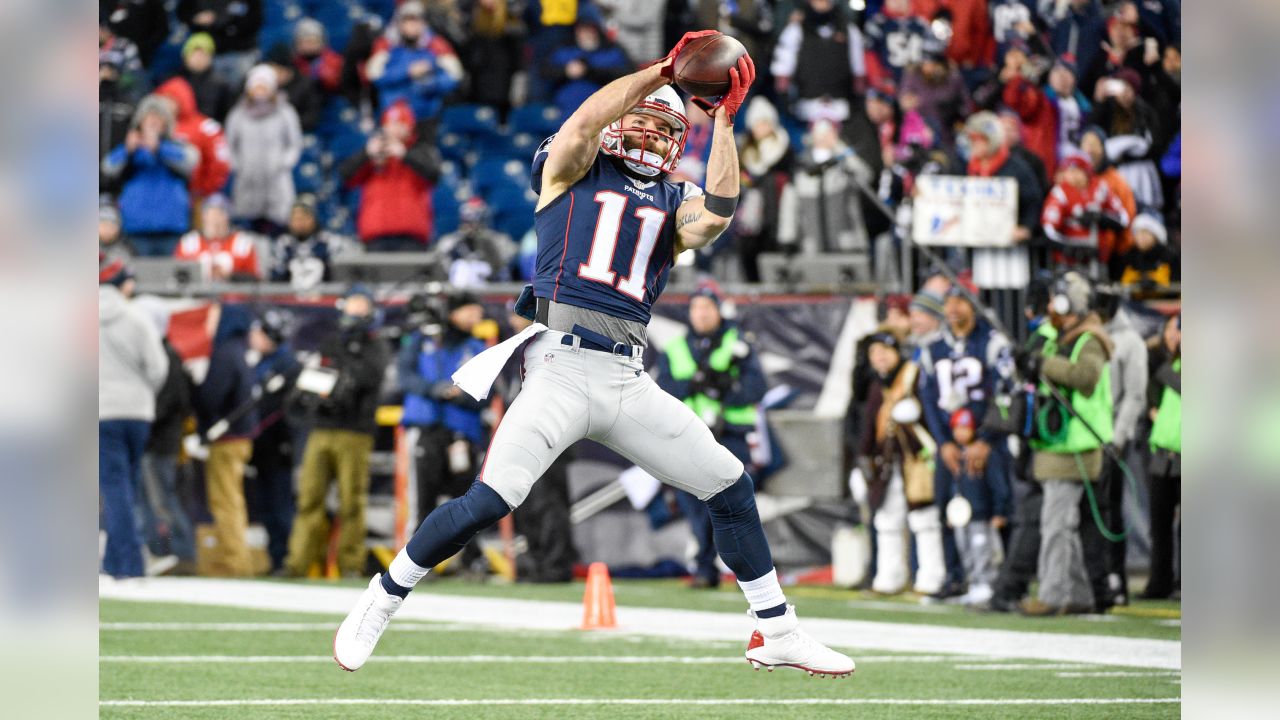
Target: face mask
647 156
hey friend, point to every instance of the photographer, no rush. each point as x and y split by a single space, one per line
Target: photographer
451 434
340 408
715 371
1068 442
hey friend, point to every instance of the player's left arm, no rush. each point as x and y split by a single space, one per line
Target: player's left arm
700 220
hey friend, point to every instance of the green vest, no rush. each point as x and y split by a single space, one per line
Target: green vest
1166 431
683 367
1096 409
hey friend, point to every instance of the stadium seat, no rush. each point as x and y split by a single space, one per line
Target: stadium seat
538 120
446 200
471 120
306 177
498 173
514 147
453 147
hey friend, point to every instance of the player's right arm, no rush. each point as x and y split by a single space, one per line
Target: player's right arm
575 146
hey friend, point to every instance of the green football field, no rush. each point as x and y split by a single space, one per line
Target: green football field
188 660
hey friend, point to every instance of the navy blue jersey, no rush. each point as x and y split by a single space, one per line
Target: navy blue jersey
608 242
897 41
1005 16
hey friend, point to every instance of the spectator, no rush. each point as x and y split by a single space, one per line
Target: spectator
153 167
214 95
110 238
340 441
750 22
121 79
895 471
1070 104
170 531
224 253
446 18
233 25
396 172
895 40
959 371
820 210
714 369
201 132
987 503
303 255
1148 267
637 26
1024 96
145 23
313 58
302 92
894 319
819 57
939 93
767 162
1164 469
476 253
413 64
925 315
451 433
1135 135
266 142
1161 19
131 368
1104 559
270 496
494 53
225 401
1077 28
1002 269
580 68
1012 125
1093 142
1078 208
1076 363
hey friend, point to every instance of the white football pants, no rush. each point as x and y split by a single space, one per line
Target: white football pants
571 393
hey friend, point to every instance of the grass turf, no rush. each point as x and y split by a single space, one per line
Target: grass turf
384 678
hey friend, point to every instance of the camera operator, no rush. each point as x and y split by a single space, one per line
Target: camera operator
340 407
715 371
451 434
1067 452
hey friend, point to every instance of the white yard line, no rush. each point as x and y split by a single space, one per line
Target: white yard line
268 627
661 622
1117 674
1027 666
509 659
641 701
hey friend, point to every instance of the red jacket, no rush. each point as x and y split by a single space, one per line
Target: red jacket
1065 215
1039 120
234 256
204 133
394 200
972 42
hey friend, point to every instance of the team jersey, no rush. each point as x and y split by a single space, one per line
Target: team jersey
233 256
957 374
1006 15
896 42
608 242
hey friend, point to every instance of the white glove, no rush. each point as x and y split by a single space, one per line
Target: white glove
858 486
195 449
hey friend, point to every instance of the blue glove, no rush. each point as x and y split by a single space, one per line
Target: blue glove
526 304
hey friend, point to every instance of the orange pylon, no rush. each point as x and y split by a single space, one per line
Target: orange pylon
597 603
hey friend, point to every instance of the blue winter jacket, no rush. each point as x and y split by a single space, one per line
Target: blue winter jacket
426 365
425 94
154 198
604 64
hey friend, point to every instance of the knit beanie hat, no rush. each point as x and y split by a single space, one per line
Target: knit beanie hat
928 302
1153 225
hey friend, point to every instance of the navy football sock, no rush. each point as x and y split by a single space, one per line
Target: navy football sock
449 528
775 611
738 534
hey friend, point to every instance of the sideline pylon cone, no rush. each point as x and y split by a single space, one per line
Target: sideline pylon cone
597 603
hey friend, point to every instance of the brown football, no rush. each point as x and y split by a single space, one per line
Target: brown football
702 67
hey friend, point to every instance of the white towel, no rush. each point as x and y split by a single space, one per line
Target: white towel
477 376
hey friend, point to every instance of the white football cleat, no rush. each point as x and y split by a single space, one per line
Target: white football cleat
358 634
779 642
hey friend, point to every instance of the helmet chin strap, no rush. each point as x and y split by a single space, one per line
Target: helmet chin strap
634 154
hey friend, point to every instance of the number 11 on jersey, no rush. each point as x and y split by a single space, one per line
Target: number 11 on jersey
605 241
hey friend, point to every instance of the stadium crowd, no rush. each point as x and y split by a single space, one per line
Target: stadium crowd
264 140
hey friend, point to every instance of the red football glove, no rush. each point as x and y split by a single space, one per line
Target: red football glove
668 70
740 79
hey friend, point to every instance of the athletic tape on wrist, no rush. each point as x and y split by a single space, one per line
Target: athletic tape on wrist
720 205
